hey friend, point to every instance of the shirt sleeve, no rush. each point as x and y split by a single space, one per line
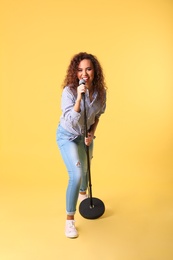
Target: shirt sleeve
68 100
103 108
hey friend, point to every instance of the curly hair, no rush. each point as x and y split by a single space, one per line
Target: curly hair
72 81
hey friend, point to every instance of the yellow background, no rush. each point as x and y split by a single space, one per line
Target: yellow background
133 158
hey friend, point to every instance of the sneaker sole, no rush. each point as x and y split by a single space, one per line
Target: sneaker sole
71 236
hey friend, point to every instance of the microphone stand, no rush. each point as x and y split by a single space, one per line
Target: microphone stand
87 151
90 208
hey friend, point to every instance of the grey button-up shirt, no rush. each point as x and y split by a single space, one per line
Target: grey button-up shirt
73 121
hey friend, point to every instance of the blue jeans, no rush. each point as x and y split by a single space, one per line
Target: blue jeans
73 152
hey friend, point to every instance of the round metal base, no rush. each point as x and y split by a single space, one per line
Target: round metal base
91 212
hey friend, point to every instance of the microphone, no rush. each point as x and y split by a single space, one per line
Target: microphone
81 81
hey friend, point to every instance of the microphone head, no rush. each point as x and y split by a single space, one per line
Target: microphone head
81 81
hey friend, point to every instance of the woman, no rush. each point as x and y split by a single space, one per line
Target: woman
71 138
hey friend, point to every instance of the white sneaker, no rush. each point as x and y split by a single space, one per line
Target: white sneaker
82 197
70 230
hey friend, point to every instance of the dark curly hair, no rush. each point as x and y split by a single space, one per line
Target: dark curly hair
72 81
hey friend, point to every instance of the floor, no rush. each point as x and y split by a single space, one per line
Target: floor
137 223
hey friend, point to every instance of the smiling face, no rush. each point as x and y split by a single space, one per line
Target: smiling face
86 71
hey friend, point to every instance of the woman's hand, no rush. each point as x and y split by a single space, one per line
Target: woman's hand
80 90
89 139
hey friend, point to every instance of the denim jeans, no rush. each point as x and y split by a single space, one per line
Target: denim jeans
73 152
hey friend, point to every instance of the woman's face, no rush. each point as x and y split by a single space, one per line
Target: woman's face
85 71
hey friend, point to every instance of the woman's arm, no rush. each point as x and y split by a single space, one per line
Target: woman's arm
80 90
91 132
93 127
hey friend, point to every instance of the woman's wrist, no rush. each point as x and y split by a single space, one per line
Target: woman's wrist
77 105
92 134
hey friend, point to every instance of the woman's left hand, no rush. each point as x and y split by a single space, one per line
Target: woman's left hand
89 139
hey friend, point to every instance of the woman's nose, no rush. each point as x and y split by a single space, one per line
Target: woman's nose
84 73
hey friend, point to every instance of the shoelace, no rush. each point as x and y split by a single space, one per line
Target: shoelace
71 225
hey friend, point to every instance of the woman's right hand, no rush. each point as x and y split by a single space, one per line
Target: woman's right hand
80 90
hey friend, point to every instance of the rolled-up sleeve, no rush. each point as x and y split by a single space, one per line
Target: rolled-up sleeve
102 110
67 106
